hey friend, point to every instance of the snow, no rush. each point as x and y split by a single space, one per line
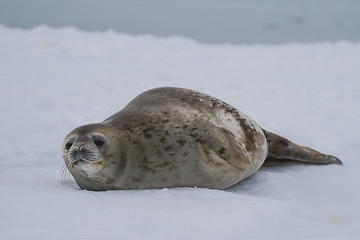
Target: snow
52 81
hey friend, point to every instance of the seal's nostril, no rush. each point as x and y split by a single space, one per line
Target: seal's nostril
81 145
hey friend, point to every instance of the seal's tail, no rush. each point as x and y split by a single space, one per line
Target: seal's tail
284 152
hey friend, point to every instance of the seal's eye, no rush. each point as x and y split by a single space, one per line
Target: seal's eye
68 145
98 140
99 143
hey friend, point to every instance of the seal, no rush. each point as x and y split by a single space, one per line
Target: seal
175 137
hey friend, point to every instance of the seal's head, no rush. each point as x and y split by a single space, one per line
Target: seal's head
92 155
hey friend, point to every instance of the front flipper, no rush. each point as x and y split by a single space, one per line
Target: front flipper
224 144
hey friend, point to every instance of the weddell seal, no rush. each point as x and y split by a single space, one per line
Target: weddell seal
174 137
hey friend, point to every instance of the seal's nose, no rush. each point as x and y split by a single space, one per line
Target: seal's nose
81 146
81 151
76 152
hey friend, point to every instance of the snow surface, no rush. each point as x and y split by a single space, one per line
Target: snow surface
52 81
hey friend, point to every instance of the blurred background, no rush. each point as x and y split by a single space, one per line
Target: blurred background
207 21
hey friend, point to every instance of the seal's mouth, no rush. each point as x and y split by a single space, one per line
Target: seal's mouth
80 161
82 155
86 168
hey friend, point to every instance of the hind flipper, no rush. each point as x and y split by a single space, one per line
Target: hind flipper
270 162
284 152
